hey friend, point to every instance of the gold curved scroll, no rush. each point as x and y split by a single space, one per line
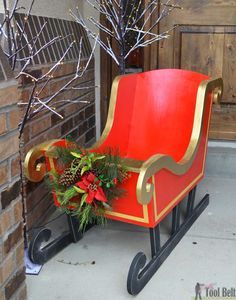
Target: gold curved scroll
159 161
34 169
111 112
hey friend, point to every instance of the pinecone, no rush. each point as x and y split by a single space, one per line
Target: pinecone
68 177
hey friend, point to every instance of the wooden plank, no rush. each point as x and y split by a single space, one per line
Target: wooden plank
229 69
218 133
223 122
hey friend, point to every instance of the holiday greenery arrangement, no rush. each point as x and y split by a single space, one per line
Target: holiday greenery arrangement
85 183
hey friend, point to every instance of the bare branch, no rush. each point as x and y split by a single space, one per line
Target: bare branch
58 62
126 18
79 73
48 107
27 112
21 40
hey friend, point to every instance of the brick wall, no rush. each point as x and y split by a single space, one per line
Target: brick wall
78 118
12 271
78 122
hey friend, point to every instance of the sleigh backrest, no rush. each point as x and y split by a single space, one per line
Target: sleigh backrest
154 112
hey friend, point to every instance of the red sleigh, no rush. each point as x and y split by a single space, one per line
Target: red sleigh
160 122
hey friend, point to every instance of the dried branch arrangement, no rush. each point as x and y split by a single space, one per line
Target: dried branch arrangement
36 103
21 48
124 17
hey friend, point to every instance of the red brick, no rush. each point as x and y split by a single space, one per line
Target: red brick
14 119
26 133
60 81
22 293
7 268
27 80
9 146
3 124
40 126
8 95
81 140
36 195
2 295
3 173
14 283
63 70
1 253
83 128
15 166
24 95
6 221
20 255
55 119
10 194
67 126
37 130
17 208
90 135
79 117
13 238
92 121
45 92
21 110
89 111
73 108
39 212
52 133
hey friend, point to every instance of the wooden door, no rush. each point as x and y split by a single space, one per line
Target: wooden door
204 40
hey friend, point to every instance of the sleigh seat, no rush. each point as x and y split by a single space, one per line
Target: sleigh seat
159 121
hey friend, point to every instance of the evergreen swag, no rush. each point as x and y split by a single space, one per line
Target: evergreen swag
85 183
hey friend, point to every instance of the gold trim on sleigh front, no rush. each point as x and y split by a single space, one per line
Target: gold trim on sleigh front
188 188
160 161
34 169
111 112
144 219
175 200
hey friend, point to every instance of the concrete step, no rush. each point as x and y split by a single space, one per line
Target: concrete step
221 159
